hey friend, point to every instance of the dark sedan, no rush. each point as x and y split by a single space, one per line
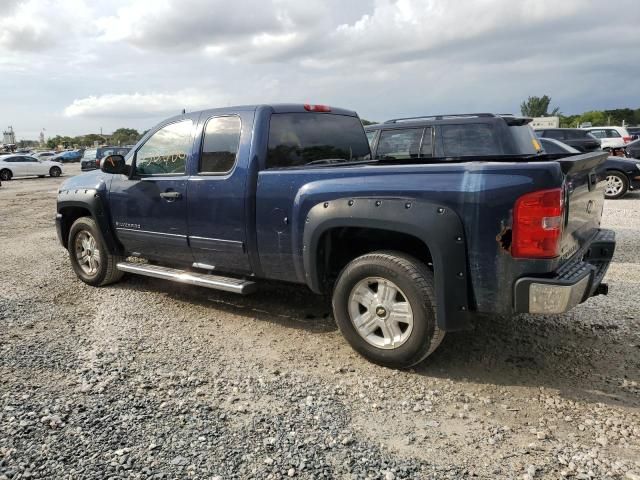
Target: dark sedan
574 137
632 150
623 174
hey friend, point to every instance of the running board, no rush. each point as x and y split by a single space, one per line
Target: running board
235 285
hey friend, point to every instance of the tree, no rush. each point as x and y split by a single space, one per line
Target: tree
366 122
90 139
538 107
124 136
595 118
54 142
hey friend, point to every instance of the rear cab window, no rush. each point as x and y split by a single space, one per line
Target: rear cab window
90 154
470 139
400 143
303 139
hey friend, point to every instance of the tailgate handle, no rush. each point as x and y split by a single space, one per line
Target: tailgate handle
593 179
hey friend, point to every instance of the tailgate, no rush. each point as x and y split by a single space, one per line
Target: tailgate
584 200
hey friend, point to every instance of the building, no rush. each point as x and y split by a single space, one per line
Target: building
9 136
545 122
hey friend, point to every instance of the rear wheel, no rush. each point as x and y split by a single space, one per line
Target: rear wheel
5 174
384 304
90 259
616 185
55 171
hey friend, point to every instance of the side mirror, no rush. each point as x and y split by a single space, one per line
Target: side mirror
114 164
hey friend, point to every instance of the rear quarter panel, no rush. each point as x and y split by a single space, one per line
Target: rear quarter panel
481 194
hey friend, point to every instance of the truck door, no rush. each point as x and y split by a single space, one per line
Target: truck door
217 192
149 208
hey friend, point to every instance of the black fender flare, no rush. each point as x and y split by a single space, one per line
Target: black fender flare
92 200
439 228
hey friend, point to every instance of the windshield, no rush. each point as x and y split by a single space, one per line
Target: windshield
298 139
89 154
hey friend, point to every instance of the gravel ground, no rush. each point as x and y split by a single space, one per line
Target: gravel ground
149 379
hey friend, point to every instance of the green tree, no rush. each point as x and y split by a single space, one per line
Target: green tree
124 136
89 139
65 142
538 107
594 117
366 122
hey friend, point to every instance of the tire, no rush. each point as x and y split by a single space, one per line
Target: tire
414 302
5 175
55 172
617 185
86 236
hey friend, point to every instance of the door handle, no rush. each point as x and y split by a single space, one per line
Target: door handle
171 196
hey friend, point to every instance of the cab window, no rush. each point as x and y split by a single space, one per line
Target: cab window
400 144
166 151
220 145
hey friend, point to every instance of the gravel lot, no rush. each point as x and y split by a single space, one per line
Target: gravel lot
149 379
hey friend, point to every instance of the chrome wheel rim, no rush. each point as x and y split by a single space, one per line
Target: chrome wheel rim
380 313
87 253
614 185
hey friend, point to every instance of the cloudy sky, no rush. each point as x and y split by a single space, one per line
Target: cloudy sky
74 66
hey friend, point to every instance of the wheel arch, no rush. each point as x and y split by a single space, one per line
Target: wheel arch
432 233
73 204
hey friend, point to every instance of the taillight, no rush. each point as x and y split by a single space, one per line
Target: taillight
537 224
627 139
98 162
317 108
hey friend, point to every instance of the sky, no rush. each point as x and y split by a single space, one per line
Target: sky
78 66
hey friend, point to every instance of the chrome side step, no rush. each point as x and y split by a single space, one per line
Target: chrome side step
235 285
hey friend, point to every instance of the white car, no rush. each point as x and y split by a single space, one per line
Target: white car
27 166
610 137
44 155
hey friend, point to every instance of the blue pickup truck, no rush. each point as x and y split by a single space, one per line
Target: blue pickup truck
408 248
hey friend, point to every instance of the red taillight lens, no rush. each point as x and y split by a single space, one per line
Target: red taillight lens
537 224
627 139
98 162
317 108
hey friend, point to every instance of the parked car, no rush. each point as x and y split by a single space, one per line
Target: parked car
448 137
610 137
634 132
67 156
574 137
623 175
27 166
92 157
44 155
632 150
408 248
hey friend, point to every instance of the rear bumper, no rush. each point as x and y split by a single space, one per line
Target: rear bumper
571 284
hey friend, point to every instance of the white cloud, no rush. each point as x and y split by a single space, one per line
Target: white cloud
138 105
39 25
382 58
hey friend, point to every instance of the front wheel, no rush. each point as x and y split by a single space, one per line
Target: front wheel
55 172
384 304
90 259
616 185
